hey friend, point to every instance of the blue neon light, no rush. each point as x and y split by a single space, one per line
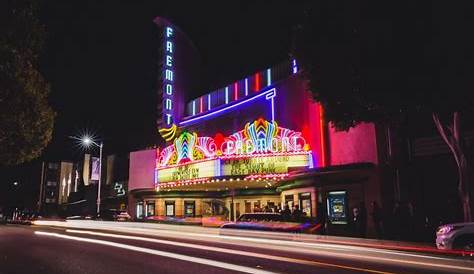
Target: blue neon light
209 101
226 95
269 95
246 86
194 107
295 67
269 77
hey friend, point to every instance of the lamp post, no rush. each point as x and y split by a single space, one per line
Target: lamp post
87 141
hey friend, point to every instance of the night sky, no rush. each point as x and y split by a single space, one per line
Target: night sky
101 57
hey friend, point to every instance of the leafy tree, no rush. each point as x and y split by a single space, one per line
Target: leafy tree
383 62
26 119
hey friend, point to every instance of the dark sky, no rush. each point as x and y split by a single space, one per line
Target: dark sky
100 58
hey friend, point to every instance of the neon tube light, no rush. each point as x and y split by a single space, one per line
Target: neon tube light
226 95
200 105
194 107
295 67
236 91
246 86
257 82
321 131
269 77
270 91
209 101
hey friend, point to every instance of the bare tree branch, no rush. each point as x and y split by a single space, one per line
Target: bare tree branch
446 138
456 126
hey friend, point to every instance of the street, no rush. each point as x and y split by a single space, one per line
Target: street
46 249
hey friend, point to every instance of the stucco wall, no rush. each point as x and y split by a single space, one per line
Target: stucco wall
142 169
358 145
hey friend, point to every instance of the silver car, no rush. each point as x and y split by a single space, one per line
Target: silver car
455 236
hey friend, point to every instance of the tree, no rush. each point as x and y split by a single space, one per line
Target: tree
26 119
383 62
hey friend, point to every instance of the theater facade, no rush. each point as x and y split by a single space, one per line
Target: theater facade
257 143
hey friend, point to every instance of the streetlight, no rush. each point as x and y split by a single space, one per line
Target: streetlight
87 141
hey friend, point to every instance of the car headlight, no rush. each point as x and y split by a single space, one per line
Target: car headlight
447 228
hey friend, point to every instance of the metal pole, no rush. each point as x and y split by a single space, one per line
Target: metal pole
100 179
40 199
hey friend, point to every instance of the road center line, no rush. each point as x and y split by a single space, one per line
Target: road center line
212 263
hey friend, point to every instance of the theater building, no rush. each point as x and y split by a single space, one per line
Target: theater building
258 142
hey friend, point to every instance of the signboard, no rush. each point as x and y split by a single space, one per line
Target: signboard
189 171
233 167
263 165
95 169
337 207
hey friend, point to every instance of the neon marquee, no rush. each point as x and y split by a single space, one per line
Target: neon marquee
262 147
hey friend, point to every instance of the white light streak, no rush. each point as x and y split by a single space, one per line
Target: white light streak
212 263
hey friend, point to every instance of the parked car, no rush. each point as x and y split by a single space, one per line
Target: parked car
455 236
3 219
115 215
273 222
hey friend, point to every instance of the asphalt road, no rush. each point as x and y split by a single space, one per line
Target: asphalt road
50 250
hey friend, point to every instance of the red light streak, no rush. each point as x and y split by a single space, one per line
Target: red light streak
200 104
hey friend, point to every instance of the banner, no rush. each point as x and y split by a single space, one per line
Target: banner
95 172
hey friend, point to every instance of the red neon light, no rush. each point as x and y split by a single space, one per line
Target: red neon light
236 91
257 82
321 132
200 104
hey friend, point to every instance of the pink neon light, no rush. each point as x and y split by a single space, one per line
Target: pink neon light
236 91
257 82
321 132
201 107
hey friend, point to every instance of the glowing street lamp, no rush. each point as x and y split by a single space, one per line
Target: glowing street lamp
86 141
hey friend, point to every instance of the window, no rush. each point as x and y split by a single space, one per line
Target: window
189 208
51 183
53 166
169 207
305 203
150 208
140 210
289 201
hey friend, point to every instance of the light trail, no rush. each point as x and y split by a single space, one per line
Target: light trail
228 251
402 261
289 241
212 263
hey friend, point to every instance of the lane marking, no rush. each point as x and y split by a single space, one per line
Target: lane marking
228 251
212 263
